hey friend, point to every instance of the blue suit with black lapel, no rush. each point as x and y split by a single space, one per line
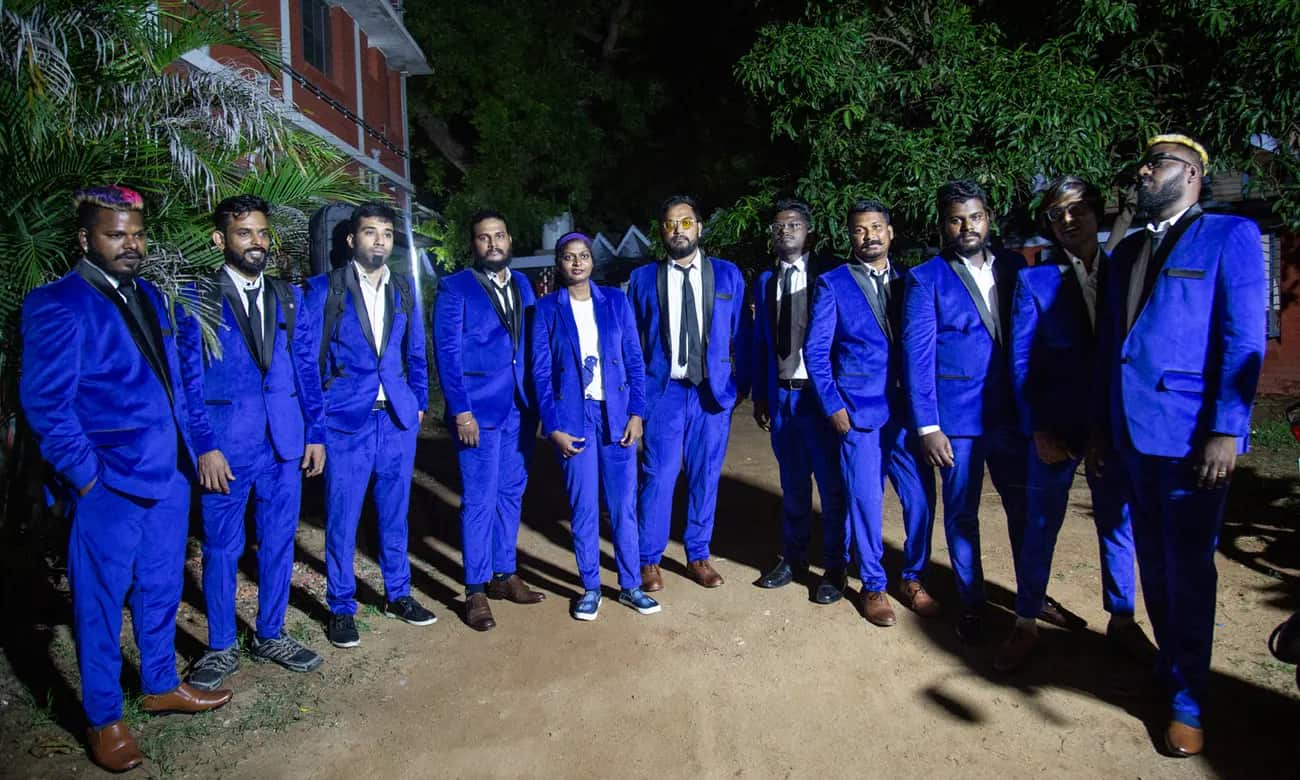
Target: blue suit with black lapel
1185 368
367 437
483 367
562 381
1055 378
101 391
956 371
682 417
259 402
802 439
854 359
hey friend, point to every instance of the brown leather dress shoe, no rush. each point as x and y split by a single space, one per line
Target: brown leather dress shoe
919 600
1016 650
185 698
652 580
513 589
1183 740
876 608
478 613
704 573
113 747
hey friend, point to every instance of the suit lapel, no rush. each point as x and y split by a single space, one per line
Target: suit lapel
154 357
1156 261
862 276
570 324
769 300
661 288
359 308
231 295
494 300
706 275
390 311
959 268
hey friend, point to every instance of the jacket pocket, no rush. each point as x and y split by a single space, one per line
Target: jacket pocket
1182 382
722 296
216 402
112 437
954 377
1185 273
473 373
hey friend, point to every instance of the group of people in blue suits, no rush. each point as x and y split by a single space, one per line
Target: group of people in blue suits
1141 366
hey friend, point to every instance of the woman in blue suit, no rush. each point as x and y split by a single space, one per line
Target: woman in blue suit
590 380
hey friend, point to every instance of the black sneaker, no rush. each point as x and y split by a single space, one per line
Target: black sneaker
285 651
342 631
212 668
408 609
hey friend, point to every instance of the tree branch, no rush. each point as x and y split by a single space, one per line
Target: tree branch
440 134
616 17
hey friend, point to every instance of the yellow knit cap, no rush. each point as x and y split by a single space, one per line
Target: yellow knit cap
1181 140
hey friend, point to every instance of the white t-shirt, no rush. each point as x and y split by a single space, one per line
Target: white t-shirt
584 315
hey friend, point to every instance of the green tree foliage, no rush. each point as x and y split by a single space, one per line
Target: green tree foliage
93 94
890 100
526 107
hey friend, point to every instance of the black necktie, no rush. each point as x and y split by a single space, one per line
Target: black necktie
255 324
508 306
784 315
688 341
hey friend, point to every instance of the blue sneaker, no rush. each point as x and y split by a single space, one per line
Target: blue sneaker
587 606
638 600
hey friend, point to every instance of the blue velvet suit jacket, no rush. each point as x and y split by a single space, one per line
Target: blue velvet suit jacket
850 350
1054 369
557 362
1190 365
723 304
94 402
956 369
480 368
359 360
238 400
760 370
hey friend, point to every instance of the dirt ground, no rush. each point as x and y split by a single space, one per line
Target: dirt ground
736 681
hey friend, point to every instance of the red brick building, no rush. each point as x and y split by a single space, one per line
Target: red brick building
347 62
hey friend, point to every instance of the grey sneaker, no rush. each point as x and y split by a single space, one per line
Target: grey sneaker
212 668
285 651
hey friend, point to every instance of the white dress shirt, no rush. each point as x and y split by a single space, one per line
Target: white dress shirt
792 367
502 289
675 278
111 279
1137 279
243 285
584 315
374 300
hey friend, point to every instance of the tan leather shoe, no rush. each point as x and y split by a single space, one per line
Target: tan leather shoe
513 589
876 608
651 579
113 747
704 573
478 613
1183 740
185 698
1016 650
919 600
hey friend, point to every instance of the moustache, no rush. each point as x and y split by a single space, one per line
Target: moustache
130 256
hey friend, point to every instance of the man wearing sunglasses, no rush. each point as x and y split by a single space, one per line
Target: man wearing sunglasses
688 310
1053 373
785 404
1182 343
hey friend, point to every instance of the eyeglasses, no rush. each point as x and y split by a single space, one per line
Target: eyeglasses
685 223
1158 159
1076 210
788 227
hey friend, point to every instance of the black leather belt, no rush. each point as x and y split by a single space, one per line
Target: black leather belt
379 406
792 384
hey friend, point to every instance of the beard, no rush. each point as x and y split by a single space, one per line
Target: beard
122 267
494 263
372 261
251 261
967 244
1153 202
682 247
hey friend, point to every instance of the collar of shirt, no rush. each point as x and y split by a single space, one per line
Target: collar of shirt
111 279
241 281
1162 227
496 279
988 262
1078 263
364 277
883 272
800 264
691 263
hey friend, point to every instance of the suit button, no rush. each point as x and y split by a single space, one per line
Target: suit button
1123 360
267 388
589 398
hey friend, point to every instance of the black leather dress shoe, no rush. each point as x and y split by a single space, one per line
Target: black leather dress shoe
831 588
781 575
970 628
1054 614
